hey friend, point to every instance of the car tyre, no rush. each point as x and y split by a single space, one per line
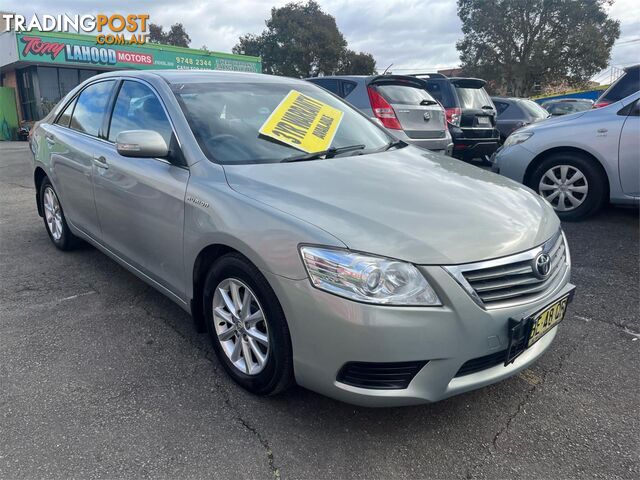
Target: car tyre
54 220
236 337
573 179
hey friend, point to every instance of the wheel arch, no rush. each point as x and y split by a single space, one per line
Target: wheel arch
201 265
38 177
533 165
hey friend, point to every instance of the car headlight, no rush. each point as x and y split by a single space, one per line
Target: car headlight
516 138
367 278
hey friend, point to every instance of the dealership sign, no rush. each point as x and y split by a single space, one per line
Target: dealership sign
82 50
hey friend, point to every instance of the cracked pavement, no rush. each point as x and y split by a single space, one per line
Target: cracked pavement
103 377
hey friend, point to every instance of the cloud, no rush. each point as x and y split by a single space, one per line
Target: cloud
412 34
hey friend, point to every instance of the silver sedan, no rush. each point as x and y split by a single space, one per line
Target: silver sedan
580 161
311 245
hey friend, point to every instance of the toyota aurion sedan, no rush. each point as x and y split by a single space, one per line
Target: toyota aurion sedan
313 246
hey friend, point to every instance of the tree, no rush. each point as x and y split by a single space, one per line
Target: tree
518 45
352 63
300 41
176 35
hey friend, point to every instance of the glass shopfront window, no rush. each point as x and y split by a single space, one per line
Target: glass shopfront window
41 88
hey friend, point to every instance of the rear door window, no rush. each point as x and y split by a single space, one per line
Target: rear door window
65 116
347 87
91 107
138 108
501 106
404 94
473 98
330 84
628 84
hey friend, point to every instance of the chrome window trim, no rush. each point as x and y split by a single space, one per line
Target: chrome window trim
456 271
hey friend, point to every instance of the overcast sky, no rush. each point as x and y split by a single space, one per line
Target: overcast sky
414 35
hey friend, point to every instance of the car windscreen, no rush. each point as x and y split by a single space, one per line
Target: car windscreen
226 119
533 109
404 94
441 90
474 98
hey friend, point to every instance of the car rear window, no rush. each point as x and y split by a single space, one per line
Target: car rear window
627 84
563 108
404 94
475 98
441 90
533 109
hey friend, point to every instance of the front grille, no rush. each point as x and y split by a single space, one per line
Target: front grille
514 280
381 376
482 363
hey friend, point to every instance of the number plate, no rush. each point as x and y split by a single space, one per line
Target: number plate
547 319
484 121
527 331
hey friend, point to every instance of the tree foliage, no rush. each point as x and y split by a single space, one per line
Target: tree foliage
352 63
518 44
176 35
303 41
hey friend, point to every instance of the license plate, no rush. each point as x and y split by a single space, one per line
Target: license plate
547 319
484 121
527 331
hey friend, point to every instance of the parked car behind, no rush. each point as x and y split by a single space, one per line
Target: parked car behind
565 106
400 103
366 269
471 115
514 113
579 161
624 86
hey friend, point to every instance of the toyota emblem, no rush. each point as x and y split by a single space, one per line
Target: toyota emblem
542 266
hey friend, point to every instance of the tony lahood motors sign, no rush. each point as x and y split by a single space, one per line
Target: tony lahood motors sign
33 46
77 50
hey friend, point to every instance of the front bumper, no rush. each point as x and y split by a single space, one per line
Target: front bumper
512 162
328 331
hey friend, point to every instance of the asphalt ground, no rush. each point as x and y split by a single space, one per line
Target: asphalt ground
103 377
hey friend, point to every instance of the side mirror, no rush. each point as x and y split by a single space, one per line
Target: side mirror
141 144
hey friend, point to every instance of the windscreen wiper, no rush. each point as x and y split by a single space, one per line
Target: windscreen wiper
328 153
393 144
426 102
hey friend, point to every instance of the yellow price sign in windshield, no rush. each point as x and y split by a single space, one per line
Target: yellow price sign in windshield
303 122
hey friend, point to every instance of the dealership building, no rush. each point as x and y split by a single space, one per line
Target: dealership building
38 68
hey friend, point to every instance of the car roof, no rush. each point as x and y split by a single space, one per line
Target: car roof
198 76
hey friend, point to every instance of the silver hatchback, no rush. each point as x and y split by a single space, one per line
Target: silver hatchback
312 246
399 103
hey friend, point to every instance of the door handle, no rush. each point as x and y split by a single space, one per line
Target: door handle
100 161
50 138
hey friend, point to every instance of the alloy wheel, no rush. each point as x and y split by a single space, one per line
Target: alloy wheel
564 187
52 213
240 325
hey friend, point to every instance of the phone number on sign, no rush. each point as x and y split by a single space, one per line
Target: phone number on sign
197 62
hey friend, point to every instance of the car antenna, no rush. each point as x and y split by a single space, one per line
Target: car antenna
385 70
